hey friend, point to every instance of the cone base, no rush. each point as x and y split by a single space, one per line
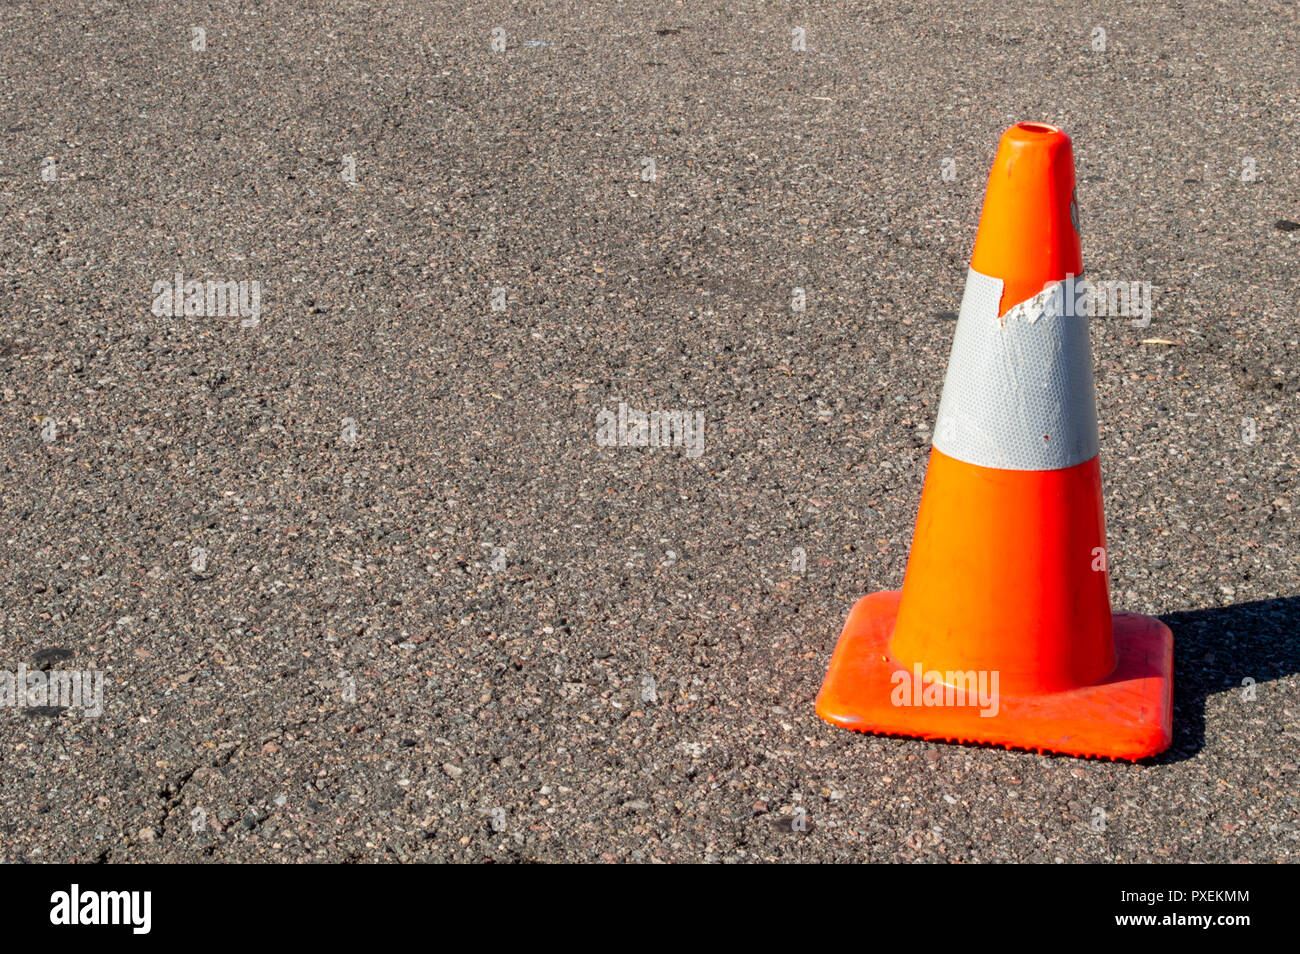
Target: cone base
1127 716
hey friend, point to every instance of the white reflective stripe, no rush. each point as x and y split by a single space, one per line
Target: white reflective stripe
1019 393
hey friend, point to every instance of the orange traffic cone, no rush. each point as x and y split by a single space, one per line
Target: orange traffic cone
1003 631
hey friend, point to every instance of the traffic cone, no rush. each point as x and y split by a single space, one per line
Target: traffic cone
1003 631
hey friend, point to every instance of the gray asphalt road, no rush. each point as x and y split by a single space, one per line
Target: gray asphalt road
360 579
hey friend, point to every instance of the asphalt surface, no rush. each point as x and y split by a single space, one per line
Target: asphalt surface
362 583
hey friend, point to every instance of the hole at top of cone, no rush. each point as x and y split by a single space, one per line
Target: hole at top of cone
1037 128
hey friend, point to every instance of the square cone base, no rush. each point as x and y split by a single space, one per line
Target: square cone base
1127 716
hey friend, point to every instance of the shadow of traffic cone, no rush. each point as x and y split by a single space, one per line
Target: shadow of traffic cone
1003 631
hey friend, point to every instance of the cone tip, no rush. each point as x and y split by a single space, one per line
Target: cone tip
1034 137
1028 236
